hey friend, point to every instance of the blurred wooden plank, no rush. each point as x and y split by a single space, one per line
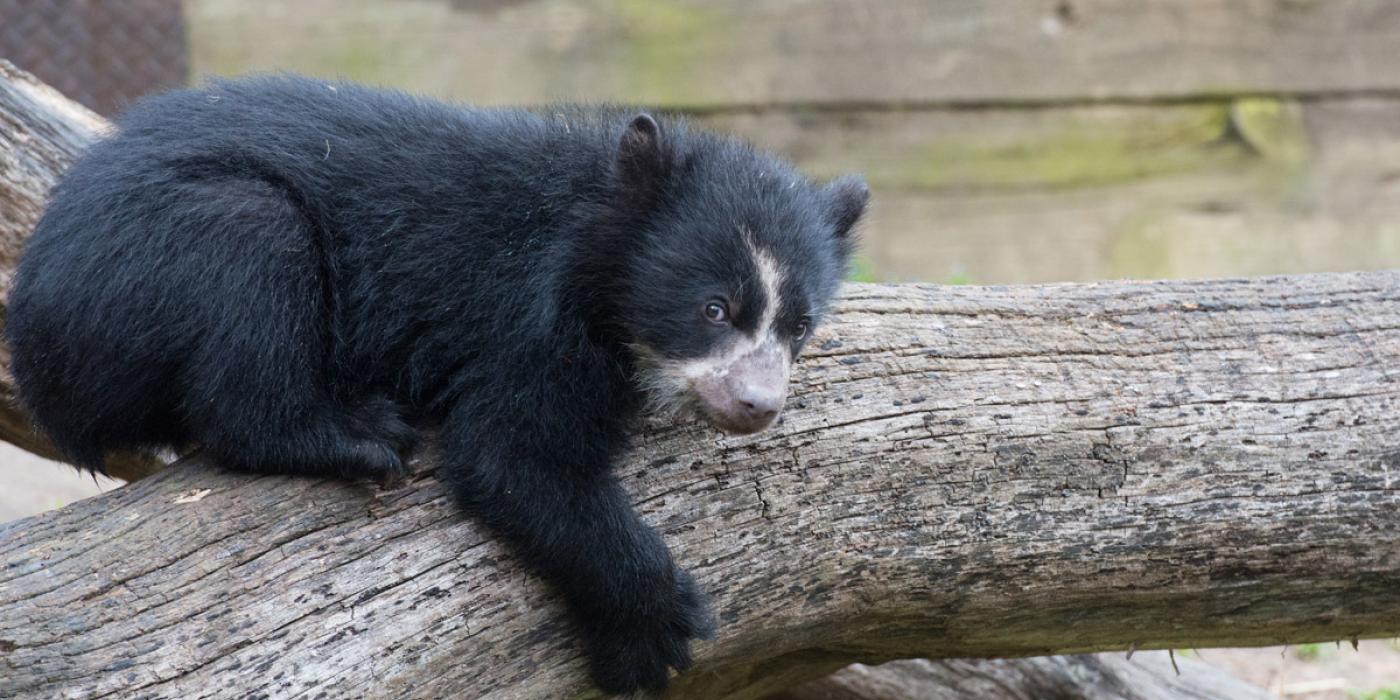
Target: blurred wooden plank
1111 191
717 53
969 152
1002 191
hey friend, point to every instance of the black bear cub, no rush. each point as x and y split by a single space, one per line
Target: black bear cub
291 274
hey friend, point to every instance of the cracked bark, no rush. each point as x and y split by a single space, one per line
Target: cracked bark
41 132
960 472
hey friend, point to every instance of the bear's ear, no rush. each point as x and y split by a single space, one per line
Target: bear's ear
641 158
846 199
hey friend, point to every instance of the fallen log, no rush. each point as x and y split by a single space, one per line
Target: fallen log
961 471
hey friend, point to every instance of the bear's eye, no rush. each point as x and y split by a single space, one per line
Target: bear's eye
717 312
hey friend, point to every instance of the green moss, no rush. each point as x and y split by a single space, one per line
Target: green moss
355 56
662 39
1311 652
1389 692
349 42
1272 127
1079 153
862 270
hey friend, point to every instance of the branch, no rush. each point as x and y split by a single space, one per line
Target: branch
962 471
41 133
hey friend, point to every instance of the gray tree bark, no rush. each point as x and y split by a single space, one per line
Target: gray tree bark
961 471
41 132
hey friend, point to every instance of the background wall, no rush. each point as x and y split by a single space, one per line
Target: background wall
1027 141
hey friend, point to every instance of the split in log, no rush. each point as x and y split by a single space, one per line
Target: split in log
961 471
1145 676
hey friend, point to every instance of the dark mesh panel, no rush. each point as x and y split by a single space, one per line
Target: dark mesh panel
102 53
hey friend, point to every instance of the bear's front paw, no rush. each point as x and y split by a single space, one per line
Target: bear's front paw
378 419
638 655
381 440
373 461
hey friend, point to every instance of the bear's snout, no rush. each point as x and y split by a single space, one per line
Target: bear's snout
747 395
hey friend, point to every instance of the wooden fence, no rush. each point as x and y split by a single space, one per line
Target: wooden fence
1006 141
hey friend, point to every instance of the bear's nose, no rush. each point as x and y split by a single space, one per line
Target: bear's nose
759 405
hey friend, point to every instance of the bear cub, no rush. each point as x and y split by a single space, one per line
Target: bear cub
293 275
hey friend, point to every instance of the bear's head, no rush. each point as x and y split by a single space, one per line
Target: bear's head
733 262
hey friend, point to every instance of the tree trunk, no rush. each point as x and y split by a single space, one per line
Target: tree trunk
960 472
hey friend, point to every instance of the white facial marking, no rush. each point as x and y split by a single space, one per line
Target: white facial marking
667 381
663 382
770 278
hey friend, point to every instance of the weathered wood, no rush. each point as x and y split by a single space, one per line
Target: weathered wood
1145 676
1160 184
726 53
994 194
962 471
1256 186
41 132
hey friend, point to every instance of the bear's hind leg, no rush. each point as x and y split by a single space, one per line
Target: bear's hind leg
261 390
307 440
267 407
259 400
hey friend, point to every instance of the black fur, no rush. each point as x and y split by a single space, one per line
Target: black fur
290 273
